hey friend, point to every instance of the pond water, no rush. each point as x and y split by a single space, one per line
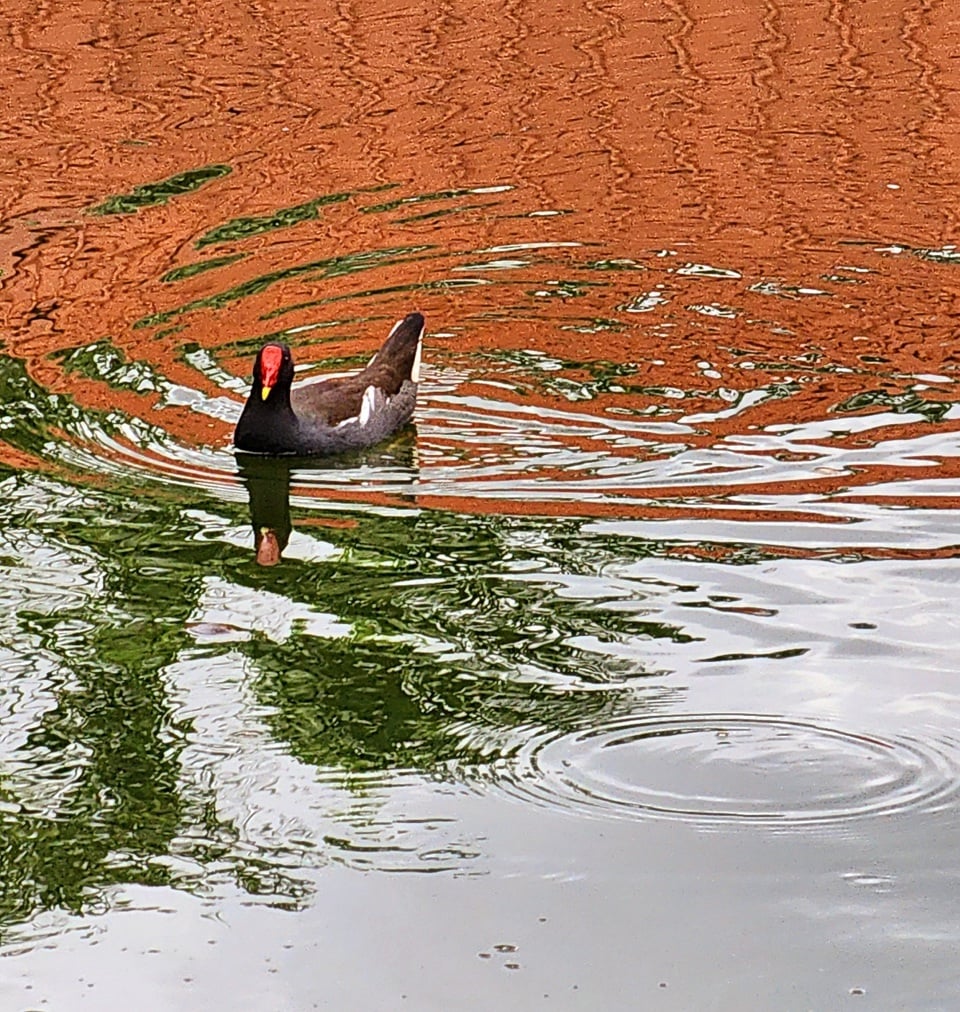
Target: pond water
627 676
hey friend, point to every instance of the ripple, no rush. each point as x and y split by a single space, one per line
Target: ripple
721 769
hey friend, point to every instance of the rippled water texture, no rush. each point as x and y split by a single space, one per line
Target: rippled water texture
626 677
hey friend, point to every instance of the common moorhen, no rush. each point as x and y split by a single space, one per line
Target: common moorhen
333 414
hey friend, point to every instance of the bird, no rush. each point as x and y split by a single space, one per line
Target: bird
332 414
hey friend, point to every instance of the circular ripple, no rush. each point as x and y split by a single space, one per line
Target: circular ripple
727 768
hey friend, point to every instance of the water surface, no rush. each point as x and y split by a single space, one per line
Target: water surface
626 676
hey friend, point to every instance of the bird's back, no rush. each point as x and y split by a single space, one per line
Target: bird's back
334 399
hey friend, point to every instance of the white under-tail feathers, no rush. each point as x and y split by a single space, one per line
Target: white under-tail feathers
374 394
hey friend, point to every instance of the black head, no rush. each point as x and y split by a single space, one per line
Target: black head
267 422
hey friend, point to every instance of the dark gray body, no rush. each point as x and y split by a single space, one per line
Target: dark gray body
305 437
336 414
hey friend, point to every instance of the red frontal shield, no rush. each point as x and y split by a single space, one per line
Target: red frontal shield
270 360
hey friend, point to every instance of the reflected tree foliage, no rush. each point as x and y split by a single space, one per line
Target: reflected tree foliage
458 635
455 648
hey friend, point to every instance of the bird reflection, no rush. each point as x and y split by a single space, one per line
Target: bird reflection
268 479
268 486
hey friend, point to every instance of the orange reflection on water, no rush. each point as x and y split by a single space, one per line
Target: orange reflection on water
715 199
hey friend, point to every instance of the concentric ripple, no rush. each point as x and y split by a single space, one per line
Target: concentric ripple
716 769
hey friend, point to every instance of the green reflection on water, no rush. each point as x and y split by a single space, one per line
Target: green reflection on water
284 217
440 213
150 194
108 738
457 638
316 269
201 267
36 421
594 325
421 198
103 361
442 642
909 402
414 286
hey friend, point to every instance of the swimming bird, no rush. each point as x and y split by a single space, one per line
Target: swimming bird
336 413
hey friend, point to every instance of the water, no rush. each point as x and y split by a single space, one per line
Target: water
626 676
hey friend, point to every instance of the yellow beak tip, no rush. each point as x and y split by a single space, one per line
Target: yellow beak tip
265 392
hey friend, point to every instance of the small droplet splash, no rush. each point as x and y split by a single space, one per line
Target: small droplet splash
729 769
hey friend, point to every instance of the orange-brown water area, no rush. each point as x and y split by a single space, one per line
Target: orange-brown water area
781 176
